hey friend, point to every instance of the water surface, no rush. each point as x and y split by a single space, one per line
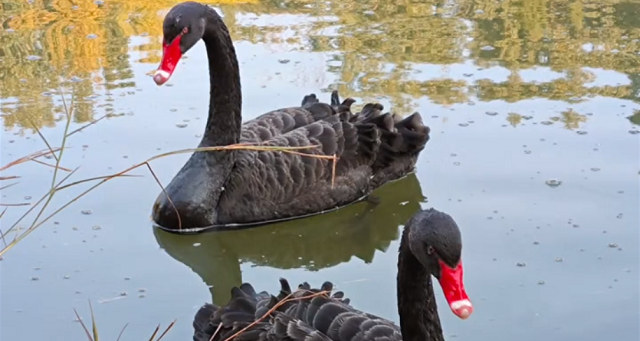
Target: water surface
534 108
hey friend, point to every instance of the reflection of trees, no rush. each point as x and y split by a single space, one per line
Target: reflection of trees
571 119
635 118
80 45
572 88
377 40
313 243
374 44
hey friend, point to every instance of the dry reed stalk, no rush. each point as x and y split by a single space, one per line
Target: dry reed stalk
50 165
14 205
163 333
35 126
88 124
94 327
29 157
122 331
58 185
216 332
166 330
83 325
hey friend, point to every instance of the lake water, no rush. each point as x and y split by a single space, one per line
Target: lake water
534 109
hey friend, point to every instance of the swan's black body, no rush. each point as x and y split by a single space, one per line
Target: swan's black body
430 238
218 188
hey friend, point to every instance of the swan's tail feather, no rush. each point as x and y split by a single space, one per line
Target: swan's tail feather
386 142
309 99
202 322
285 288
369 139
370 111
401 139
227 320
335 98
342 109
414 133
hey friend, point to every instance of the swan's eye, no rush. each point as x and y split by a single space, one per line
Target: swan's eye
185 30
430 250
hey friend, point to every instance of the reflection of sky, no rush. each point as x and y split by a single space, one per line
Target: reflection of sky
604 77
293 28
274 20
466 71
470 72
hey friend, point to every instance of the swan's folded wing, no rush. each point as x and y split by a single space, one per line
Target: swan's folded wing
290 184
334 318
285 327
346 157
274 123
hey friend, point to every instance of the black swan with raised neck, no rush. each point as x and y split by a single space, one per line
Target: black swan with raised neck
243 187
430 246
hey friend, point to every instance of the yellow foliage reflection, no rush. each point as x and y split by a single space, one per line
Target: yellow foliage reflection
376 45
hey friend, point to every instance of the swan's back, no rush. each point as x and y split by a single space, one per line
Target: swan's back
371 148
306 314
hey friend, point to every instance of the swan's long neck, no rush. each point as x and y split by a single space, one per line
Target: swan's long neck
225 99
419 320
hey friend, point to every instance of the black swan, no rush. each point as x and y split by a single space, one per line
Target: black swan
430 245
244 187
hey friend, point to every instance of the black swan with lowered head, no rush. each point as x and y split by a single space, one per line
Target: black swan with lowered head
226 188
430 245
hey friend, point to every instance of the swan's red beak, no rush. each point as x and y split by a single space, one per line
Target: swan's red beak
453 288
171 54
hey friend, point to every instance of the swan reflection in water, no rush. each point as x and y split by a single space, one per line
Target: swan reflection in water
312 243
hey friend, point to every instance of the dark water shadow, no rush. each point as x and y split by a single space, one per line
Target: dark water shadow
312 243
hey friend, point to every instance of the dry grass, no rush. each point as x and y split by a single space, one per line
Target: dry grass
39 208
93 335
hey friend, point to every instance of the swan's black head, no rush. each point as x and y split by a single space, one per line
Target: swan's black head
434 239
183 27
